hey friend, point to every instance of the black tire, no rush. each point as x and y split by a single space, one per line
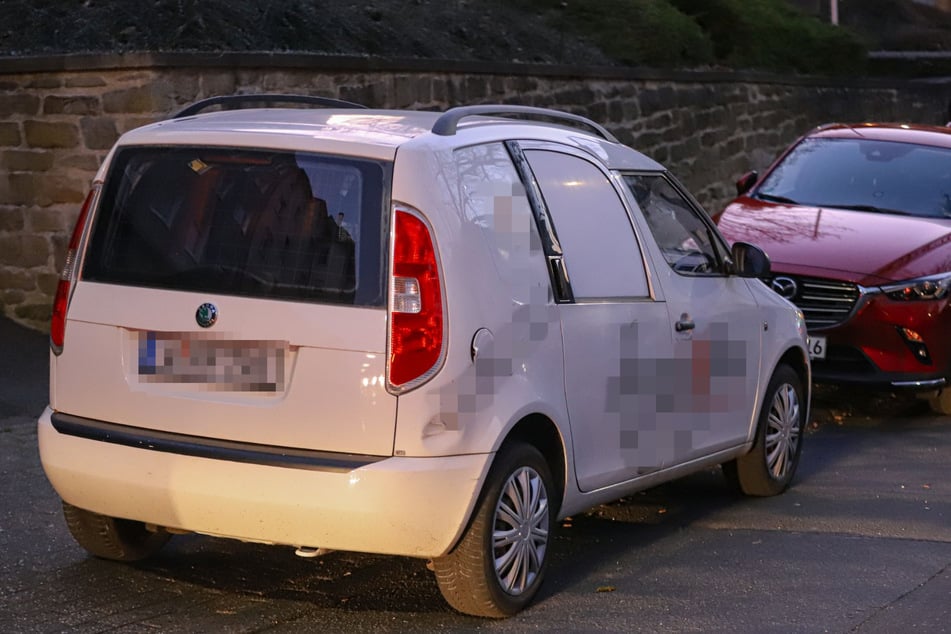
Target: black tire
770 465
468 576
112 538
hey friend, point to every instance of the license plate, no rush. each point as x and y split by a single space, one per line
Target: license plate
816 346
221 365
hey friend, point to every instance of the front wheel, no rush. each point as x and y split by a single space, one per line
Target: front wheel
111 537
498 566
770 465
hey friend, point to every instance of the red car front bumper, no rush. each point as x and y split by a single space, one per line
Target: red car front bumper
889 342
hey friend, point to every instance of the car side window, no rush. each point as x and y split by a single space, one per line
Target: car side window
601 252
687 242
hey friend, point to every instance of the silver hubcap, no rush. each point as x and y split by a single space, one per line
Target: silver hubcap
520 533
782 431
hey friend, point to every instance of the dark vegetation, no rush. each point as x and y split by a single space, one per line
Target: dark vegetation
897 25
759 34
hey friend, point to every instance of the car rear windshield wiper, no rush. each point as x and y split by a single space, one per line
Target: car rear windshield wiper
776 199
872 208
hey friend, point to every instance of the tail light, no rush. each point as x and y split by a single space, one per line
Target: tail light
64 287
416 309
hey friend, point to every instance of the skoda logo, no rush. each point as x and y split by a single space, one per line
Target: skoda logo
785 286
206 315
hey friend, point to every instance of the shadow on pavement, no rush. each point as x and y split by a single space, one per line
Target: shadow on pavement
24 366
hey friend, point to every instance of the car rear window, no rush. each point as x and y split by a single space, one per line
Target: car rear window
258 223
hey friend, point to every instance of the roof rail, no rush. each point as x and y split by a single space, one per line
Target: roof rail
447 123
235 101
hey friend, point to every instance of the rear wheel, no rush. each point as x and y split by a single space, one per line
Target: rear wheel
112 538
941 402
770 465
498 566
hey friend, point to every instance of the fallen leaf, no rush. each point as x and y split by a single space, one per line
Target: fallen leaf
606 589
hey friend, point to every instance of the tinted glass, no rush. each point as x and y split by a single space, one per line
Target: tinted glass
878 175
243 222
600 249
685 239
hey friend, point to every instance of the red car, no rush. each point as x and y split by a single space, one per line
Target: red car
856 220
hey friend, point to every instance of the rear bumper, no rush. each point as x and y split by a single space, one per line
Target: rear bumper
401 506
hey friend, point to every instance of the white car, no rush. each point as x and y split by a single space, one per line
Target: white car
411 333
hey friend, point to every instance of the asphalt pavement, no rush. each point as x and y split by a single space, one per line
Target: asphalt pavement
860 543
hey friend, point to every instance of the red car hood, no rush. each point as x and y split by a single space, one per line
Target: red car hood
857 246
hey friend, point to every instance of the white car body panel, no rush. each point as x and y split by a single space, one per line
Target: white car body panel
334 398
386 507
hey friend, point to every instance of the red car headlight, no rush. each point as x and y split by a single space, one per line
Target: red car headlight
923 288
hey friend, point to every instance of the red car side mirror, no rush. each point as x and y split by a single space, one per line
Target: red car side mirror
745 182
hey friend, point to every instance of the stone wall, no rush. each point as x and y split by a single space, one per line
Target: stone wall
59 117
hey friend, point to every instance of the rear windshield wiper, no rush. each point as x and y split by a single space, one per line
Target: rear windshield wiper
872 208
776 199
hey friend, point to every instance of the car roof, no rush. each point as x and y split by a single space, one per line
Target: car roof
370 132
918 134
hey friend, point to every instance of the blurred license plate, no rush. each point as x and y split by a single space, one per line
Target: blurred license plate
816 346
222 365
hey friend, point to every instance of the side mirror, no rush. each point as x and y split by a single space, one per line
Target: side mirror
745 182
749 260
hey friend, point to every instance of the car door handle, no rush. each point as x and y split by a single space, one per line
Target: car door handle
685 323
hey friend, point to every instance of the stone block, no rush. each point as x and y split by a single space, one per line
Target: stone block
440 91
46 220
17 189
578 96
181 87
34 250
215 83
141 99
45 134
10 249
26 160
19 104
60 189
17 278
695 96
131 123
648 139
660 98
11 219
44 82
597 112
404 92
660 121
711 138
615 111
59 243
47 283
373 95
35 312
9 134
12 297
99 133
55 104
87 162
85 80
476 88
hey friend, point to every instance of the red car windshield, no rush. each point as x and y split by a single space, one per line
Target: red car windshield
862 174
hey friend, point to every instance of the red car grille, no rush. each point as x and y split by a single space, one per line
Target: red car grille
825 303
